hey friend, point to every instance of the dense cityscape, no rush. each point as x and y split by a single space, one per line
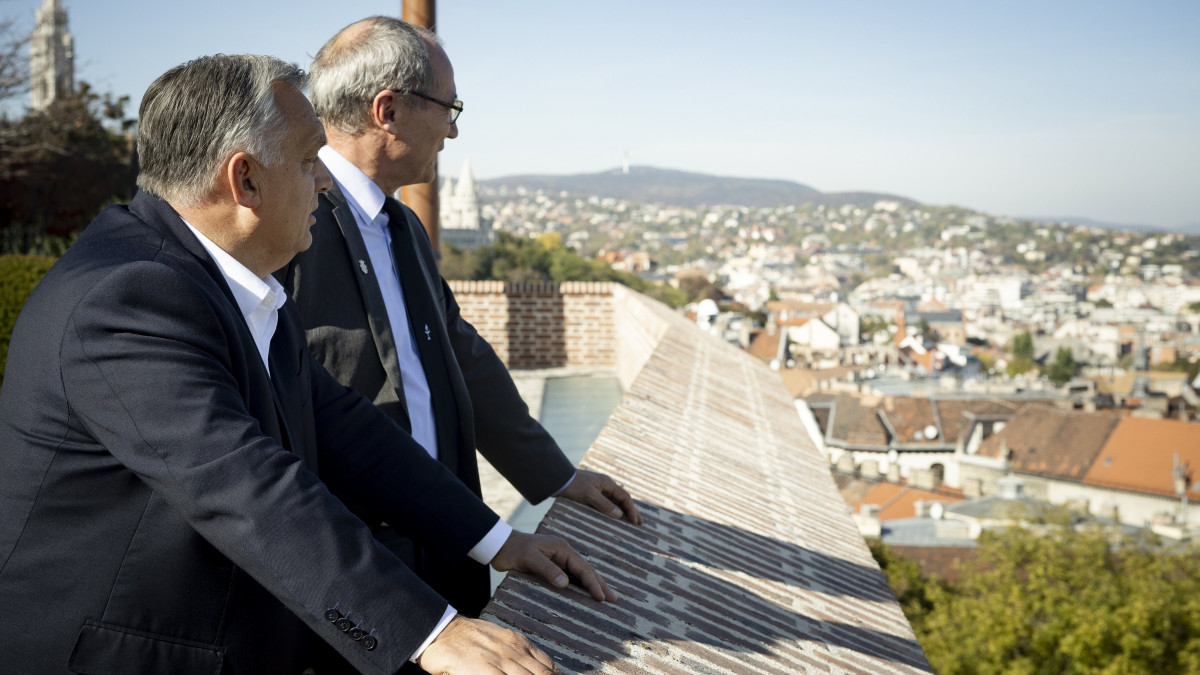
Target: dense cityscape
1066 284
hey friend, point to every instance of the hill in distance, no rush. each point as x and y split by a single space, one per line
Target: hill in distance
1117 227
647 184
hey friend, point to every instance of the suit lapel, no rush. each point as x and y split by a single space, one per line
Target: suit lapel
372 299
427 321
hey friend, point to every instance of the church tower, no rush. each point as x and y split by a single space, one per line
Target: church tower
462 224
51 56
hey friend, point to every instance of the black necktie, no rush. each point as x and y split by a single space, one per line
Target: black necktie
423 319
463 583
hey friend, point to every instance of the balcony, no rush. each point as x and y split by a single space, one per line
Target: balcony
749 561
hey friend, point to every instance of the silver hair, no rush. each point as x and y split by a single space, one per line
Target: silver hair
363 59
194 116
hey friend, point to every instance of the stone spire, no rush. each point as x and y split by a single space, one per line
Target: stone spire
51 56
465 193
462 224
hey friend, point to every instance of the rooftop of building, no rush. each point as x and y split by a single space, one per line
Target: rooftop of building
1051 442
749 560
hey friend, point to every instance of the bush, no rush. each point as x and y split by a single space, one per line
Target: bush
18 276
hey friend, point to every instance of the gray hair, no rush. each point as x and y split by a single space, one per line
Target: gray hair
194 116
363 59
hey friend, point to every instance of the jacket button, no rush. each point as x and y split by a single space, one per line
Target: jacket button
344 625
357 634
369 642
332 615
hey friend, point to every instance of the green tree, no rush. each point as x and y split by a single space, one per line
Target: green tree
912 588
697 286
1063 368
1065 601
987 362
925 330
1019 367
60 166
1022 346
519 259
869 324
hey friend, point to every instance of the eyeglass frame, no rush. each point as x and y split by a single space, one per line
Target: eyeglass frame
456 107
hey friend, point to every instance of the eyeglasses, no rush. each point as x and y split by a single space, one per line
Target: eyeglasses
455 108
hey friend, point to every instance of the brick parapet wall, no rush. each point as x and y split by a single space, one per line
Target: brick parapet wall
749 561
542 325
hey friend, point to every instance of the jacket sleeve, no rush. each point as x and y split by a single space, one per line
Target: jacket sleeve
148 368
506 434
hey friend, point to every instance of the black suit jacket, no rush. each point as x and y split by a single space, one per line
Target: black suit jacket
166 506
348 331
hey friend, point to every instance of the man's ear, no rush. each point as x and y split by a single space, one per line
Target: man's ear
385 111
242 176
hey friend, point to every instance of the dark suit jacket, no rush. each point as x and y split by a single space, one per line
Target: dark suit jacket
348 331
167 507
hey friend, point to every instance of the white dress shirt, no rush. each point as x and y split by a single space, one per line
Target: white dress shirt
366 202
258 299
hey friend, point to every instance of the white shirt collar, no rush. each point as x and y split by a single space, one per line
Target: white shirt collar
258 299
360 191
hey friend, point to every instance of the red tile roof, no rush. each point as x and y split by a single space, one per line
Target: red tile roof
1052 442
1140 453
897 500
764 345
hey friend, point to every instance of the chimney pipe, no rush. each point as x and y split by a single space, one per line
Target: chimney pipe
423 198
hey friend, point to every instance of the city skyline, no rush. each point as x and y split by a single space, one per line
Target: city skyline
1076 110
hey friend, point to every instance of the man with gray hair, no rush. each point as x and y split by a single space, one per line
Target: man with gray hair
378 314
180 481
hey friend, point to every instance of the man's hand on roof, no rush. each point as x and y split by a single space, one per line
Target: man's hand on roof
472 646
551 558
602 493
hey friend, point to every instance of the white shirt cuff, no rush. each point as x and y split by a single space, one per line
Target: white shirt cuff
437 630
489 546
568 483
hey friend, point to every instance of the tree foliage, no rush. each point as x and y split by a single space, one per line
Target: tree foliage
18 276
697 286
1063 368
869 324
1022 346
1022 351
14 74
60 166
542 259
1058 601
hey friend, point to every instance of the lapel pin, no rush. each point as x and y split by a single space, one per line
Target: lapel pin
428 337
362 265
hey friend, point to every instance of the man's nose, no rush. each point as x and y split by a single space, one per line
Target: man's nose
324 180
453 133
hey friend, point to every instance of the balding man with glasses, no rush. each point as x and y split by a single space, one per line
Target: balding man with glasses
377 313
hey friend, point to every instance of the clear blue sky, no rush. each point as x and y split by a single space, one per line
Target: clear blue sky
1060 108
